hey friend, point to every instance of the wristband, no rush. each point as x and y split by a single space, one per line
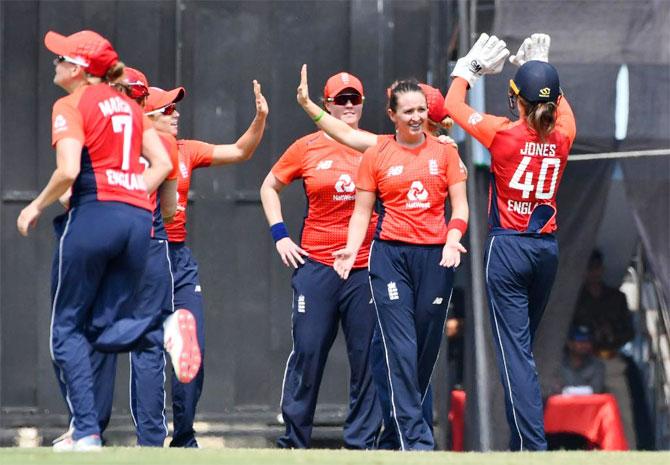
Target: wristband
319 116
278 231
458 224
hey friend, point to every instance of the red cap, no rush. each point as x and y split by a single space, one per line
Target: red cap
87 49
435 102
139 86
135 77
159 98
341 81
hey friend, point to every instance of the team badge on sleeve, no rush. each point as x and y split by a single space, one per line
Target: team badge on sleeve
475 119
60 124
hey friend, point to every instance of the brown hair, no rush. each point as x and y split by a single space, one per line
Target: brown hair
401 87
540 117
114 77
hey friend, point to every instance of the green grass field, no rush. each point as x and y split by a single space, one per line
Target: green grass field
137 456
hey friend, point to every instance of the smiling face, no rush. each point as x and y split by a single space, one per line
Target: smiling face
166 123
409 116
343 108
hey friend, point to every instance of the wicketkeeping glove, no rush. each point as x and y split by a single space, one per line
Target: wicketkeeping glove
535 47
487 56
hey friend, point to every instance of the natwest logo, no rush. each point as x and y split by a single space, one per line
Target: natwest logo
345 186
417 196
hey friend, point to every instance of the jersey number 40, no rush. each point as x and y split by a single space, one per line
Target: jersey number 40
527 185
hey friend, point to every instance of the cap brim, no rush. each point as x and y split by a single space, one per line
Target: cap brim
166 98
56 43
338 90
176 94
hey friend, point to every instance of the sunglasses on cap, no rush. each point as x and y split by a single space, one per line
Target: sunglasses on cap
166 110
137 90
342 99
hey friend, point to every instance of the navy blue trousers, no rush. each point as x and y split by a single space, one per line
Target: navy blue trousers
411 293
520 271
147 360
188 295
388 436
102 249
321 301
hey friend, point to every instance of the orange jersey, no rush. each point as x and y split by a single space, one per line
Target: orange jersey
413 186
328 170
526 172
110 127
192 154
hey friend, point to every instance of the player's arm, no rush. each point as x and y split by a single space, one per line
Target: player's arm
68 165
338 130
159 160
358 228
168 195
565 119
487 56
451 253
291 254
481 126
244 148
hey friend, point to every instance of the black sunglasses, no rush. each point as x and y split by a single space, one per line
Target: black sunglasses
342 99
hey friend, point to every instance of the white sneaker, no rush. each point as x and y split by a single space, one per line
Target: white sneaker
62 437
180 340
90 443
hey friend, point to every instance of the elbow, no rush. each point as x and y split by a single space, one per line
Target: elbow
69 174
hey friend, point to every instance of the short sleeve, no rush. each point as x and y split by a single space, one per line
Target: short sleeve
170 144
456 170
66 122
200 153
366 179
289 165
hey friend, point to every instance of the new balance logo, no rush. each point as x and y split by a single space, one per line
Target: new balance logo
301 304
324 165
438 301
432 167
395 170
393 291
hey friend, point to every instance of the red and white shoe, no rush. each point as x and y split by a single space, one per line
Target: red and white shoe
180 340
90 443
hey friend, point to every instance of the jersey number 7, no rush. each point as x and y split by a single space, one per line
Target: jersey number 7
527 185
124 124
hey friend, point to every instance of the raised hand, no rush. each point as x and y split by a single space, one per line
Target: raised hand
303 88
535 47
262 109
487 56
